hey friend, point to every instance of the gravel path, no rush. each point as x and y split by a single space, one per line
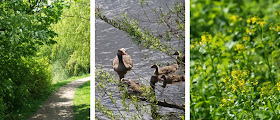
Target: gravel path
59 106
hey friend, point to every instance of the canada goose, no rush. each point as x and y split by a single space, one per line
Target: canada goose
122 63
170 79
134 87
179 58
166 69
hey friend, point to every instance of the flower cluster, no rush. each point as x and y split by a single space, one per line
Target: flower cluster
240 48
275 28
206 37
234 19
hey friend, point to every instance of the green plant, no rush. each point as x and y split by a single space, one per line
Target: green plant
234 68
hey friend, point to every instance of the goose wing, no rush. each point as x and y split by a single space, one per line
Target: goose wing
115 62
127 61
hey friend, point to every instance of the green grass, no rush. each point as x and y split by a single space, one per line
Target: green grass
82 102
32 106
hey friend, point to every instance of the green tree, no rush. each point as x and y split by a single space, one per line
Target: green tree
24 27
70 56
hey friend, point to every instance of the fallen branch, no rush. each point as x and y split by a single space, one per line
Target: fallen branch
164 103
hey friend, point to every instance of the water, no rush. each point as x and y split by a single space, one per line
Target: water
109 40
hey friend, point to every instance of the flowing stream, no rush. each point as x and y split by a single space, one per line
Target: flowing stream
109 39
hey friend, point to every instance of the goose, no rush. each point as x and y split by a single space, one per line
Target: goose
154 79
179 58
134 88
170 79
122 63
165 70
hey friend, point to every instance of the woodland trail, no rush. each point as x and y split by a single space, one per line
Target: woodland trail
59 106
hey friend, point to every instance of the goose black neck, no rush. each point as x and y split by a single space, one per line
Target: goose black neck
120 58
157 70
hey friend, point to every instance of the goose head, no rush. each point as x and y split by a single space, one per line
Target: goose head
121 52
154 66
163 77
176 53
125 81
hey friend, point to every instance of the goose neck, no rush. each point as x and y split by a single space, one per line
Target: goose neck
120 58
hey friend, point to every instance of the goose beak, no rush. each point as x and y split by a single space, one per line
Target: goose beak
160 79
123 53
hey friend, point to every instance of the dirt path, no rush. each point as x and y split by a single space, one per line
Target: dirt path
59 106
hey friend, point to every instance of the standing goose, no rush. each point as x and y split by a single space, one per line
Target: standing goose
166 69
122 63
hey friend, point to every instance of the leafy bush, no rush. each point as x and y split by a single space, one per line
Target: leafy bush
234 60
30 78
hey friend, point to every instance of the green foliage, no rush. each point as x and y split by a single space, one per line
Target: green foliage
234 67
171 22
24 27
30 78
82 102
70 56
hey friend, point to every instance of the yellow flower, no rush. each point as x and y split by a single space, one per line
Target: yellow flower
241 83
192 46
235 74
224 80
232 101
248 21
262 23
233 88
203 38
254 19
245 73
278 86
234 18
246 38
242 91
255 83
277 29
248 31
276 13
224 100
239 48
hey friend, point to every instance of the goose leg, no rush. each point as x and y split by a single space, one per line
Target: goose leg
121 75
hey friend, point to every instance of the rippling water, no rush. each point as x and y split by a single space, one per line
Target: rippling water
109 40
